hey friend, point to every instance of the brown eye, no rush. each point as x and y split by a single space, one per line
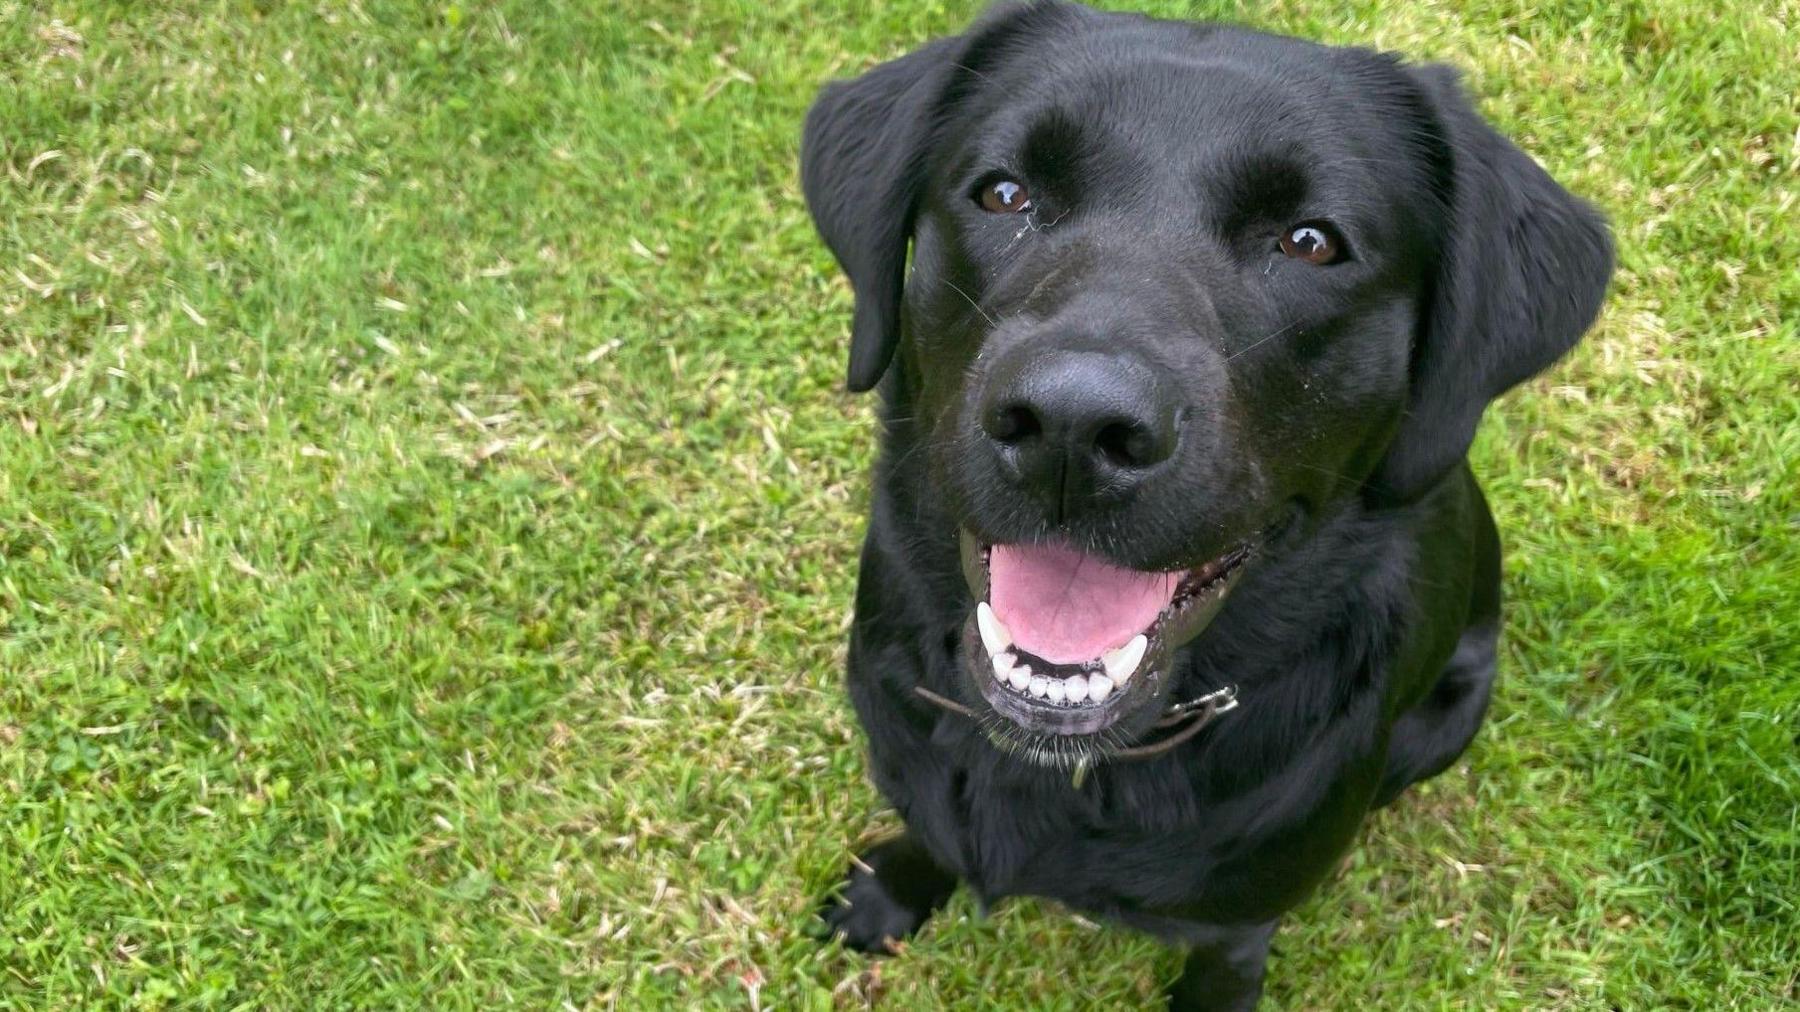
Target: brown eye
1005 197
1313 242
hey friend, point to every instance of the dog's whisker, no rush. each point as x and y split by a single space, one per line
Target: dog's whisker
1262 341
972 303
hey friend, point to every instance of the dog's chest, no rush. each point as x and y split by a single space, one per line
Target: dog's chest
1016 831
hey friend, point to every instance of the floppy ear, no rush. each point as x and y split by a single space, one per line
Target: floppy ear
1521 272
862 170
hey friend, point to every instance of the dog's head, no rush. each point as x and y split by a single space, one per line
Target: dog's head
1174 290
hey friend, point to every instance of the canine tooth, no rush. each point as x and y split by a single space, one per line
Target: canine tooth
1099 687
1003 664
1053 690
1121 663
1020 677
1039 685
1075 687
994 635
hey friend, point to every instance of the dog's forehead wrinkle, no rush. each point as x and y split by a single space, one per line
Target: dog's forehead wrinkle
1152 101
1160 97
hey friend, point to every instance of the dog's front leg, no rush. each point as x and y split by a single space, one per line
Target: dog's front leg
1224 970
892 888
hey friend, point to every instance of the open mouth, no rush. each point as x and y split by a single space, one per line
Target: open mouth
1065 644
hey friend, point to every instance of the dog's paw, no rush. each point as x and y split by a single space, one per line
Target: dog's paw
869 918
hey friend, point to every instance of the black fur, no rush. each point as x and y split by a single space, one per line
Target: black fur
1326 410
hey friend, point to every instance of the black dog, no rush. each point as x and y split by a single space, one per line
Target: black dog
1177 397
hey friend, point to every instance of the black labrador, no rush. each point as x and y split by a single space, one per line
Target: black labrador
1175 568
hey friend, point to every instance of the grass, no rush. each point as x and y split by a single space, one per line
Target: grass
428 507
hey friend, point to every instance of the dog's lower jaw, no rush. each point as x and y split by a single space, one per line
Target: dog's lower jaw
1030 713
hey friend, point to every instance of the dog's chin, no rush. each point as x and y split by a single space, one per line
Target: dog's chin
1065 713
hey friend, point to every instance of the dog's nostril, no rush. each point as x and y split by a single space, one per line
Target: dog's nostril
1013 423
1125 444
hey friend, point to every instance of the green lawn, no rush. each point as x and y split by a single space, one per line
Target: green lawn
428 508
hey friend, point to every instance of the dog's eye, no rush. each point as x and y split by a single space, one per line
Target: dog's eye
1314 242
1004 197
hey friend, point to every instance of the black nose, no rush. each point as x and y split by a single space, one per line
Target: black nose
1077 429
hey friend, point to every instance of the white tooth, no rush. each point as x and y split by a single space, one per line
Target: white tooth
1076 688
1039 686
1019 677
1099 687
1121 663
1003 664
1053 691
994 636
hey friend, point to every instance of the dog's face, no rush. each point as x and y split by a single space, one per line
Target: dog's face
1176 292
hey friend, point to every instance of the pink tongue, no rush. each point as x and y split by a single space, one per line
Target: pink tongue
1068 607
